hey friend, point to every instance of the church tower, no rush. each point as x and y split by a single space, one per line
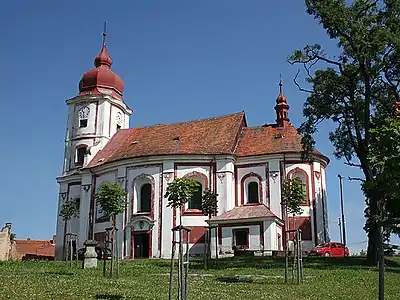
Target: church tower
282 108
96 114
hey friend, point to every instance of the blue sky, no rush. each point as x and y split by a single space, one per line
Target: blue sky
180 60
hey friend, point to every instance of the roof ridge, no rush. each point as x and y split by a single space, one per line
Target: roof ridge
189 121
242 126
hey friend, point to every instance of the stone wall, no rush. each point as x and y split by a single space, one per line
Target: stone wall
5 242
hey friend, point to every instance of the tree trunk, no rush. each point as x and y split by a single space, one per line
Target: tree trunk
181 266
112 246
70 244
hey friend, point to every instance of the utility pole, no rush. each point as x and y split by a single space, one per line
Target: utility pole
340 230
342 210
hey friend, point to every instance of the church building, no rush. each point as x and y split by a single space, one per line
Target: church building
244 165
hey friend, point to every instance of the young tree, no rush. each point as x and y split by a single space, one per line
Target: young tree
178 193
356 89
70 210
209 203
111 198
209 206
293 194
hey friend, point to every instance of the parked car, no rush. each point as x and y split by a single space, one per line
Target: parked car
329 249
101 253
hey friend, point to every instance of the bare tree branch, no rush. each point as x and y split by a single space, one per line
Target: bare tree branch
352 164
356 179
298 85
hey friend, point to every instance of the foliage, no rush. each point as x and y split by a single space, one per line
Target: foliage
209 203
111 198
326 278
179 191
293 194
13 236
384 155
356 89
70 209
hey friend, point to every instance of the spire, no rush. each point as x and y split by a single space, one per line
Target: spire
104 35
103 59
281 98
281 107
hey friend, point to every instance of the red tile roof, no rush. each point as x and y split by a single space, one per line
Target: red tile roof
269 139
207 136
35 247
220 135
245 212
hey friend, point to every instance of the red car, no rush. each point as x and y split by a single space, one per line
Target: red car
329 249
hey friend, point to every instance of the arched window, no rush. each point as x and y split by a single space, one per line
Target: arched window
145 198
252 192
80 155
195 200
303 177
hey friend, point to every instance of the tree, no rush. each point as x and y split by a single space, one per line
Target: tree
384 155
69 210
293 194
13 236
354 90
178 193
209 206
111 198
209 203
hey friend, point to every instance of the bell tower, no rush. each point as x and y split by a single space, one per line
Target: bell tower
282 108
96 113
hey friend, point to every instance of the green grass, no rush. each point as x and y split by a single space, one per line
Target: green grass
146 279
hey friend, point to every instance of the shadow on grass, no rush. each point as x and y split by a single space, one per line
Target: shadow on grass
239 262
234 280
63 273
247 280
279 263
108 297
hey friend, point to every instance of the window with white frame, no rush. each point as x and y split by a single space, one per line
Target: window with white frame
253 192
195 200
80 155
302 176
144 204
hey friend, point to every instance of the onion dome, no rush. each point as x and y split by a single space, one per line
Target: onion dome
101 80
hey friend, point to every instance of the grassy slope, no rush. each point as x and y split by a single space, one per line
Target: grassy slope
326 279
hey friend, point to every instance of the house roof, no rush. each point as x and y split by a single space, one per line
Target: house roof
260 211
36 247
227 134
207 136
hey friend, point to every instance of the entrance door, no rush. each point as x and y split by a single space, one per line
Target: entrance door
141 244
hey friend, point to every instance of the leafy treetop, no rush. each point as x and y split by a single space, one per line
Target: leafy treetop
180 191
70 209
209 203
293 195
111 198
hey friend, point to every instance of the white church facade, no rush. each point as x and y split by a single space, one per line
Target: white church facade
244 165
